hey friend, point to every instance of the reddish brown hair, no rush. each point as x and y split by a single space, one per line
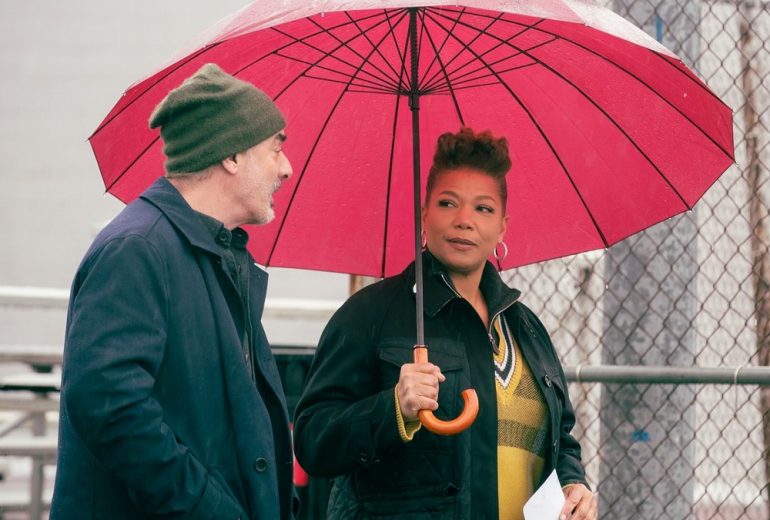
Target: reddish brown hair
468 149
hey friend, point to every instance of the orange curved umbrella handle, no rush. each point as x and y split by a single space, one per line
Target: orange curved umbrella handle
456 425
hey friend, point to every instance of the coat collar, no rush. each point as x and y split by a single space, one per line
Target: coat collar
164 196
438 288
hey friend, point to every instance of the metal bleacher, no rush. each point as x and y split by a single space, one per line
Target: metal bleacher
30 377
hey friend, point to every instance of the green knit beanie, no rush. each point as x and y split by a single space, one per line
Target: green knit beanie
212 116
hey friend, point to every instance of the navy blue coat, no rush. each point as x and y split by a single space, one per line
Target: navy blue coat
159 415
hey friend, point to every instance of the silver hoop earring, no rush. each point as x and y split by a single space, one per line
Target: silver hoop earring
500 257
424 241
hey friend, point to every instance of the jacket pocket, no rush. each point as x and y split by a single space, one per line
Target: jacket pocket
448 355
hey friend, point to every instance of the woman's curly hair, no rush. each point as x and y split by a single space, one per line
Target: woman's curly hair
468 149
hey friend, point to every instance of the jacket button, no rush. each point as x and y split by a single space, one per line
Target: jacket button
555 446
364 458
547 381
260 465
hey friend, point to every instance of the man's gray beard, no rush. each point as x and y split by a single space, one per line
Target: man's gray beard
270 211
267 217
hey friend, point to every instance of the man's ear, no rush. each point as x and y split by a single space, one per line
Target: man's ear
230 164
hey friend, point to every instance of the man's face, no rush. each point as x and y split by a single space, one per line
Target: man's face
265 167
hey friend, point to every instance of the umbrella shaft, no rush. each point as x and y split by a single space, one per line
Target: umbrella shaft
414 105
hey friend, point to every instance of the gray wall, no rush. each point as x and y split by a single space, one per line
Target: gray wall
62 67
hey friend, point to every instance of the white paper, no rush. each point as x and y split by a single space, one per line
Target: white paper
547 501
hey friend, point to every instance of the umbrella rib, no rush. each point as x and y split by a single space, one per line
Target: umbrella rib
160 78
144 151
376 47
469 84
390 183
430 84
472 81
665 100
501 60
730 154
344 43
603 112
326 54
437 58
313 65
629 73
194 55
476 82
301 178
402 87
401 80
479 33
700 84
134 161
553 150
184 61
442 70
304 169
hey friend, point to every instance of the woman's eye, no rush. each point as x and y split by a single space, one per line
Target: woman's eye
446 203
486 209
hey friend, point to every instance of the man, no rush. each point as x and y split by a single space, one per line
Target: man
171 403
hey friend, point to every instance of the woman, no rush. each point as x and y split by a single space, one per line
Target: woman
357 418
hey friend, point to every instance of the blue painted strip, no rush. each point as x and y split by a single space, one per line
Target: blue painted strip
658 28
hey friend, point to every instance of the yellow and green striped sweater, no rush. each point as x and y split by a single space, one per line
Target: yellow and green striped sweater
522 426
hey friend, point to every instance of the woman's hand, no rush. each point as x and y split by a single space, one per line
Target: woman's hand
580 503
418 388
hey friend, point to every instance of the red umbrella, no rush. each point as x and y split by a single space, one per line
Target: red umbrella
609 131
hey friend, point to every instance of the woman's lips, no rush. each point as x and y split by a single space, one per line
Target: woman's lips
461 243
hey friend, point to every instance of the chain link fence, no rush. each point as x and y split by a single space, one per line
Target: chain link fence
692 292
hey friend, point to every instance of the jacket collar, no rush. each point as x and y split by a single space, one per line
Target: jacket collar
438 288
164 196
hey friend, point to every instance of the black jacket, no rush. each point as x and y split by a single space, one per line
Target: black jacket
159 414
345 424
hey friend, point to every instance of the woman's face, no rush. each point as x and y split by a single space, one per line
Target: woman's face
464 219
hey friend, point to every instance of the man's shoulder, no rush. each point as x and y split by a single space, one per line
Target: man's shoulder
138 221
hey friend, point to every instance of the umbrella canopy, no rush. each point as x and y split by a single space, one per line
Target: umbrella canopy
609 132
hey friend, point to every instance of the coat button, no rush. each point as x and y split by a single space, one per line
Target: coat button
260 465
364 458
547 381
555 446
223 238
